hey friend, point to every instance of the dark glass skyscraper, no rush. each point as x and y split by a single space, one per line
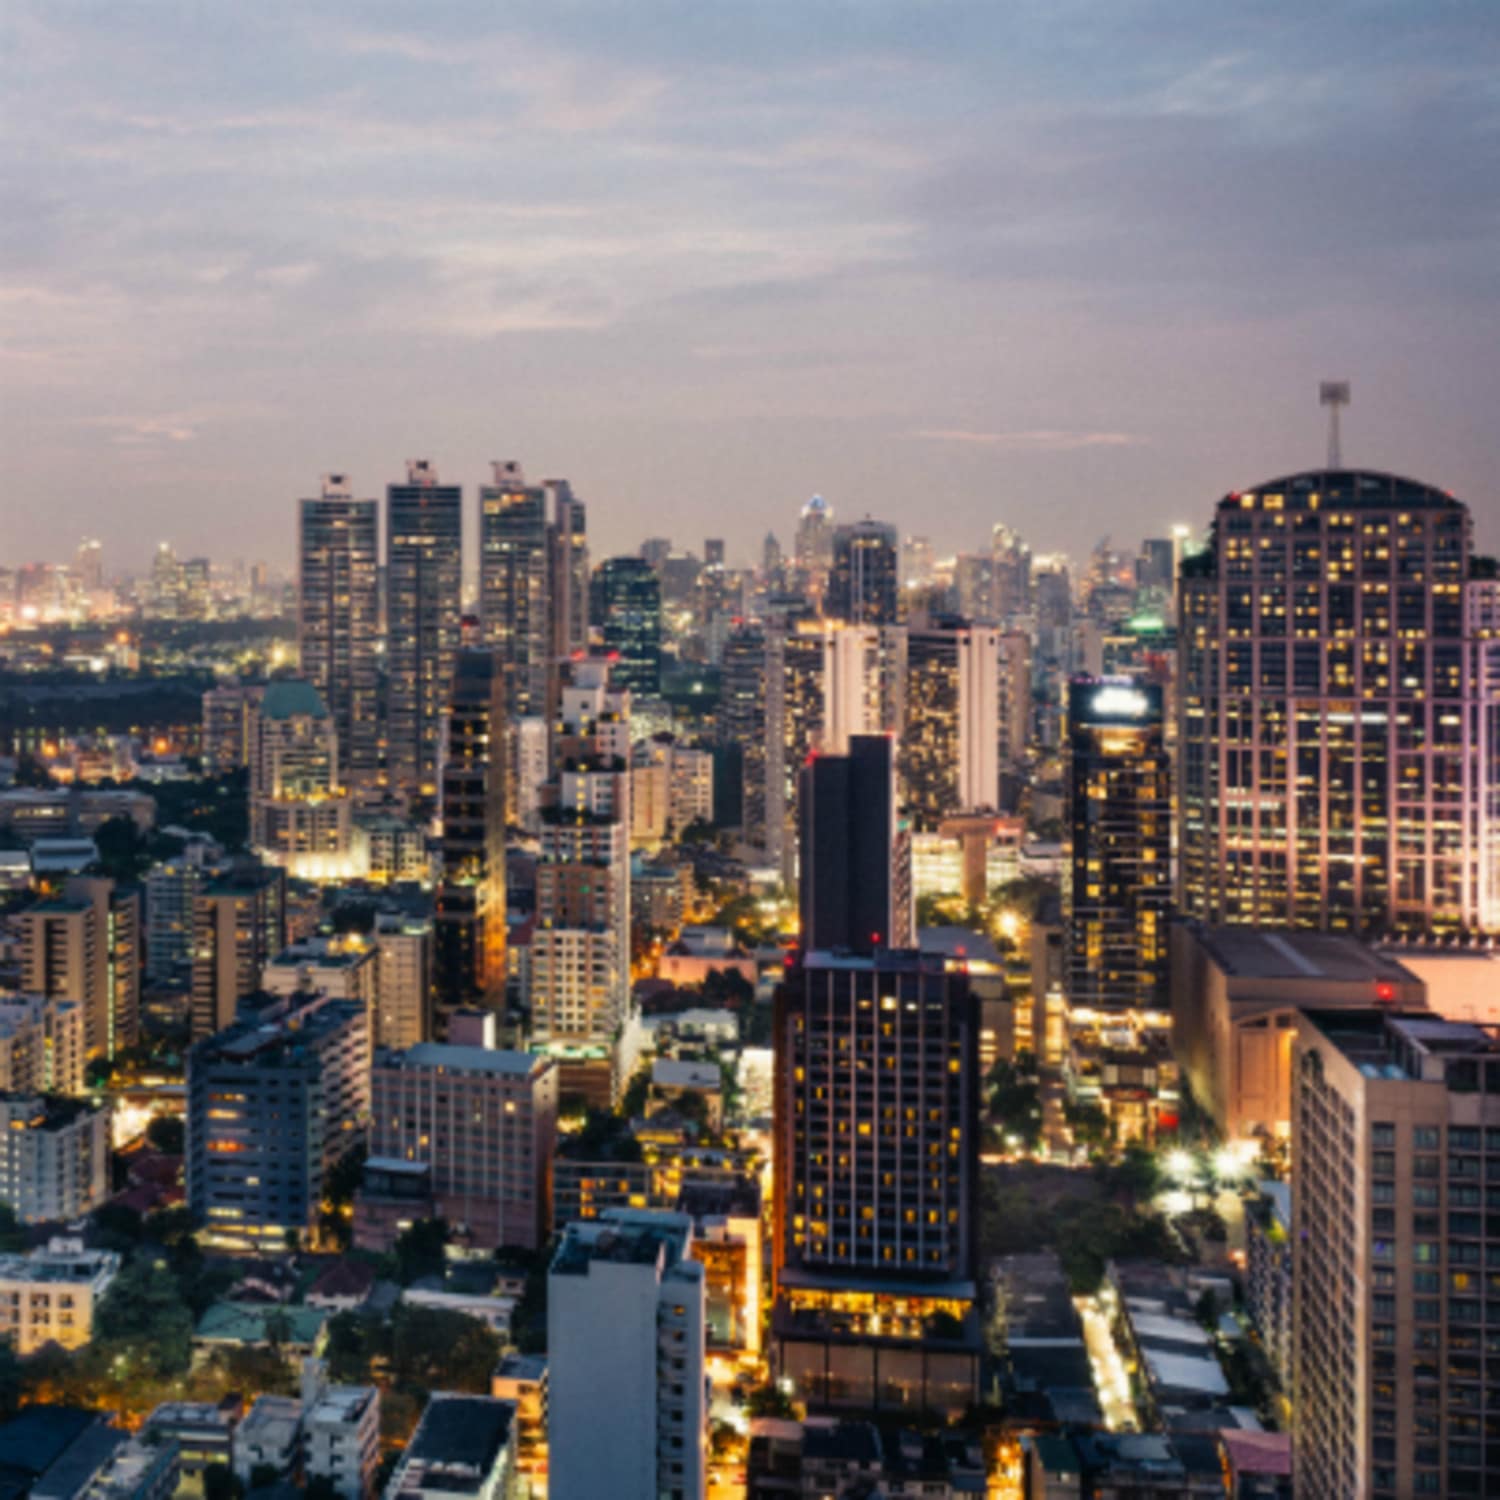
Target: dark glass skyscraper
630 614
470 962
339 617
863 587
515 585
1120 802
424 563
855 882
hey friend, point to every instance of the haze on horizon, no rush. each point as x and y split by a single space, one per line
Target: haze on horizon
1073 266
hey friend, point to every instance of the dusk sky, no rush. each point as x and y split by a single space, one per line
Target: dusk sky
1074 266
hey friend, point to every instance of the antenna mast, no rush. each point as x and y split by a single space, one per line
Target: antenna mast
1334 394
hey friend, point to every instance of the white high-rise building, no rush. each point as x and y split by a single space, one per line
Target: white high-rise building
627 1412
403 981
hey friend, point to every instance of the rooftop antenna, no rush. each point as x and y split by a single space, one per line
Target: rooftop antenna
1333 394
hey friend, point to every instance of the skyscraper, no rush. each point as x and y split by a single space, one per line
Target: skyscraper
814 543
1333 771
338 620
424 561
515 585
239 926
1395 1130
1120 809
570 570
855 878
863 587
950 727
470 964
630 613
876 1166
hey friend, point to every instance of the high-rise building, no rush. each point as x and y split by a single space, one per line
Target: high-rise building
794 717
855 878
1015 698
273 1101
814 543
54 1156
515 585
84 946
41 1045
171 887
570 570
1395 1129
338 620
1012 574
471 890
424 563
875 1174
300 817
950 732
580 949
403 983
239 926
742 725
1120 816
863 586
226 725
482 1122
630 614
1333 772
627 1408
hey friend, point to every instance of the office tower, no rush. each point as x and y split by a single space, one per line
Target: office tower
171 888
403 994
713 552
863 586
1015 699
950 731
239 926
84 946
300 818
570 570
41 1045
424 562
1153 566
630 614
771 558
580 950
814 542
862 688
916 562
742 725
1011 559
515 585
855 879
1395 1125
164 594
1332 771
226 725
1120 816
526 772
471 890
196 600
54 1156
481 1125
338 620
273 1101
795 708
627 1411
88 564
974 587
876 1165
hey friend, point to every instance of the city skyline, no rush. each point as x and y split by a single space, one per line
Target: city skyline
1036 267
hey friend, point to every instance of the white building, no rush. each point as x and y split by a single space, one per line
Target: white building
464 1448
340 1432
531 769
339 970
54 1156
269 1437
49 1295
627 1408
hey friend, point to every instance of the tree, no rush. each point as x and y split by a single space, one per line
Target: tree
419 1250
116 1227
637 1092
1016 1104
167 1134
11 1380
1135 1177
768 1401
123 854
1089 1123
13 1238
220 1483
726 989
433 1348
143 1324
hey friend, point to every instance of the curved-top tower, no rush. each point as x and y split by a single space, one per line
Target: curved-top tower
1334 746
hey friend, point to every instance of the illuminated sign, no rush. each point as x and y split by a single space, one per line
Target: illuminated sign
1116 701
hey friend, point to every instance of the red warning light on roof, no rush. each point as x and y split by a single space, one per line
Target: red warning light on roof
1385 991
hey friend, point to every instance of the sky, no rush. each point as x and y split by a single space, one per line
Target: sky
1078 267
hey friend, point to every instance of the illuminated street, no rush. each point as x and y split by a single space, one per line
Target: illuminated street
1110 1378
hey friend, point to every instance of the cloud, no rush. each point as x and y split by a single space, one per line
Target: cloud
1033 440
